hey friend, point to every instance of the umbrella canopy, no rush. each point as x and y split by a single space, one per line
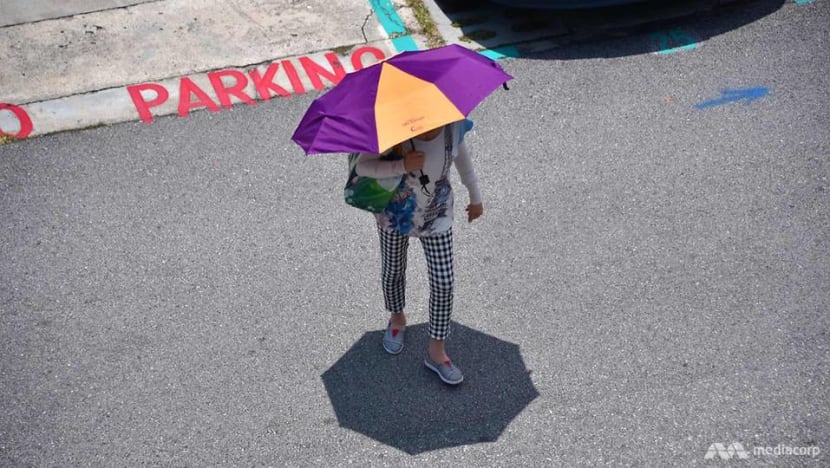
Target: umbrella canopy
379 106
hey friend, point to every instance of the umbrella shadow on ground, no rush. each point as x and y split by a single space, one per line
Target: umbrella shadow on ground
668 26
399 402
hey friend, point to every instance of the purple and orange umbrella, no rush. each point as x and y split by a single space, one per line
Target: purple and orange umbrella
382 105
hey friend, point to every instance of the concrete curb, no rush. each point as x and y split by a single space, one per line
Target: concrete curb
216 88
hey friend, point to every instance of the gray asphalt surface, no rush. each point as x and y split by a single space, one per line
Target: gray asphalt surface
172 294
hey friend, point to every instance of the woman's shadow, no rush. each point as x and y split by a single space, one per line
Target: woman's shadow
397 401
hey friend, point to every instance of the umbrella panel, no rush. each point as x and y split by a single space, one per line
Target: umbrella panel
406 106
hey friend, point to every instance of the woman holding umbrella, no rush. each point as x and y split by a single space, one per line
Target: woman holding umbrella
414 103
423 208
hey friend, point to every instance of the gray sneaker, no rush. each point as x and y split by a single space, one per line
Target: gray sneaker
393 339
448 372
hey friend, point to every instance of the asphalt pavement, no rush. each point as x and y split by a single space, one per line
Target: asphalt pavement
648 285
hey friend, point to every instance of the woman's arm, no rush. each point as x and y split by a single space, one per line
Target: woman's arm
464 166
370 165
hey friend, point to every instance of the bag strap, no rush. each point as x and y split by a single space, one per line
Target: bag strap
449 136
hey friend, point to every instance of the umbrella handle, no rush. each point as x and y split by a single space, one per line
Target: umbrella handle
423 179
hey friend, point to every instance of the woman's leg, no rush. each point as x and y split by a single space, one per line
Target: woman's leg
438 250
393 250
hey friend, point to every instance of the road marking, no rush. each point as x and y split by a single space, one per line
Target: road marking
500 52
402 40
734 95
674 40
231 86
214 91
393 25
22 128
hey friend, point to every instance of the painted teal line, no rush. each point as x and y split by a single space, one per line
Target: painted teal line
388 17
404 43
393 25
500 52
678 49
803 2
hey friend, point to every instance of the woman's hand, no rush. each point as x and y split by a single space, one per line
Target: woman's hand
413 161
474 211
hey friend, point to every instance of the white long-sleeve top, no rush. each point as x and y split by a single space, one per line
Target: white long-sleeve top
418 210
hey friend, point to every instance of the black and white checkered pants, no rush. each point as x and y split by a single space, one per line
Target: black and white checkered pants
438 252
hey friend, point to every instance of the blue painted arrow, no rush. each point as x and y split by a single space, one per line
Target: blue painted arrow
734 95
